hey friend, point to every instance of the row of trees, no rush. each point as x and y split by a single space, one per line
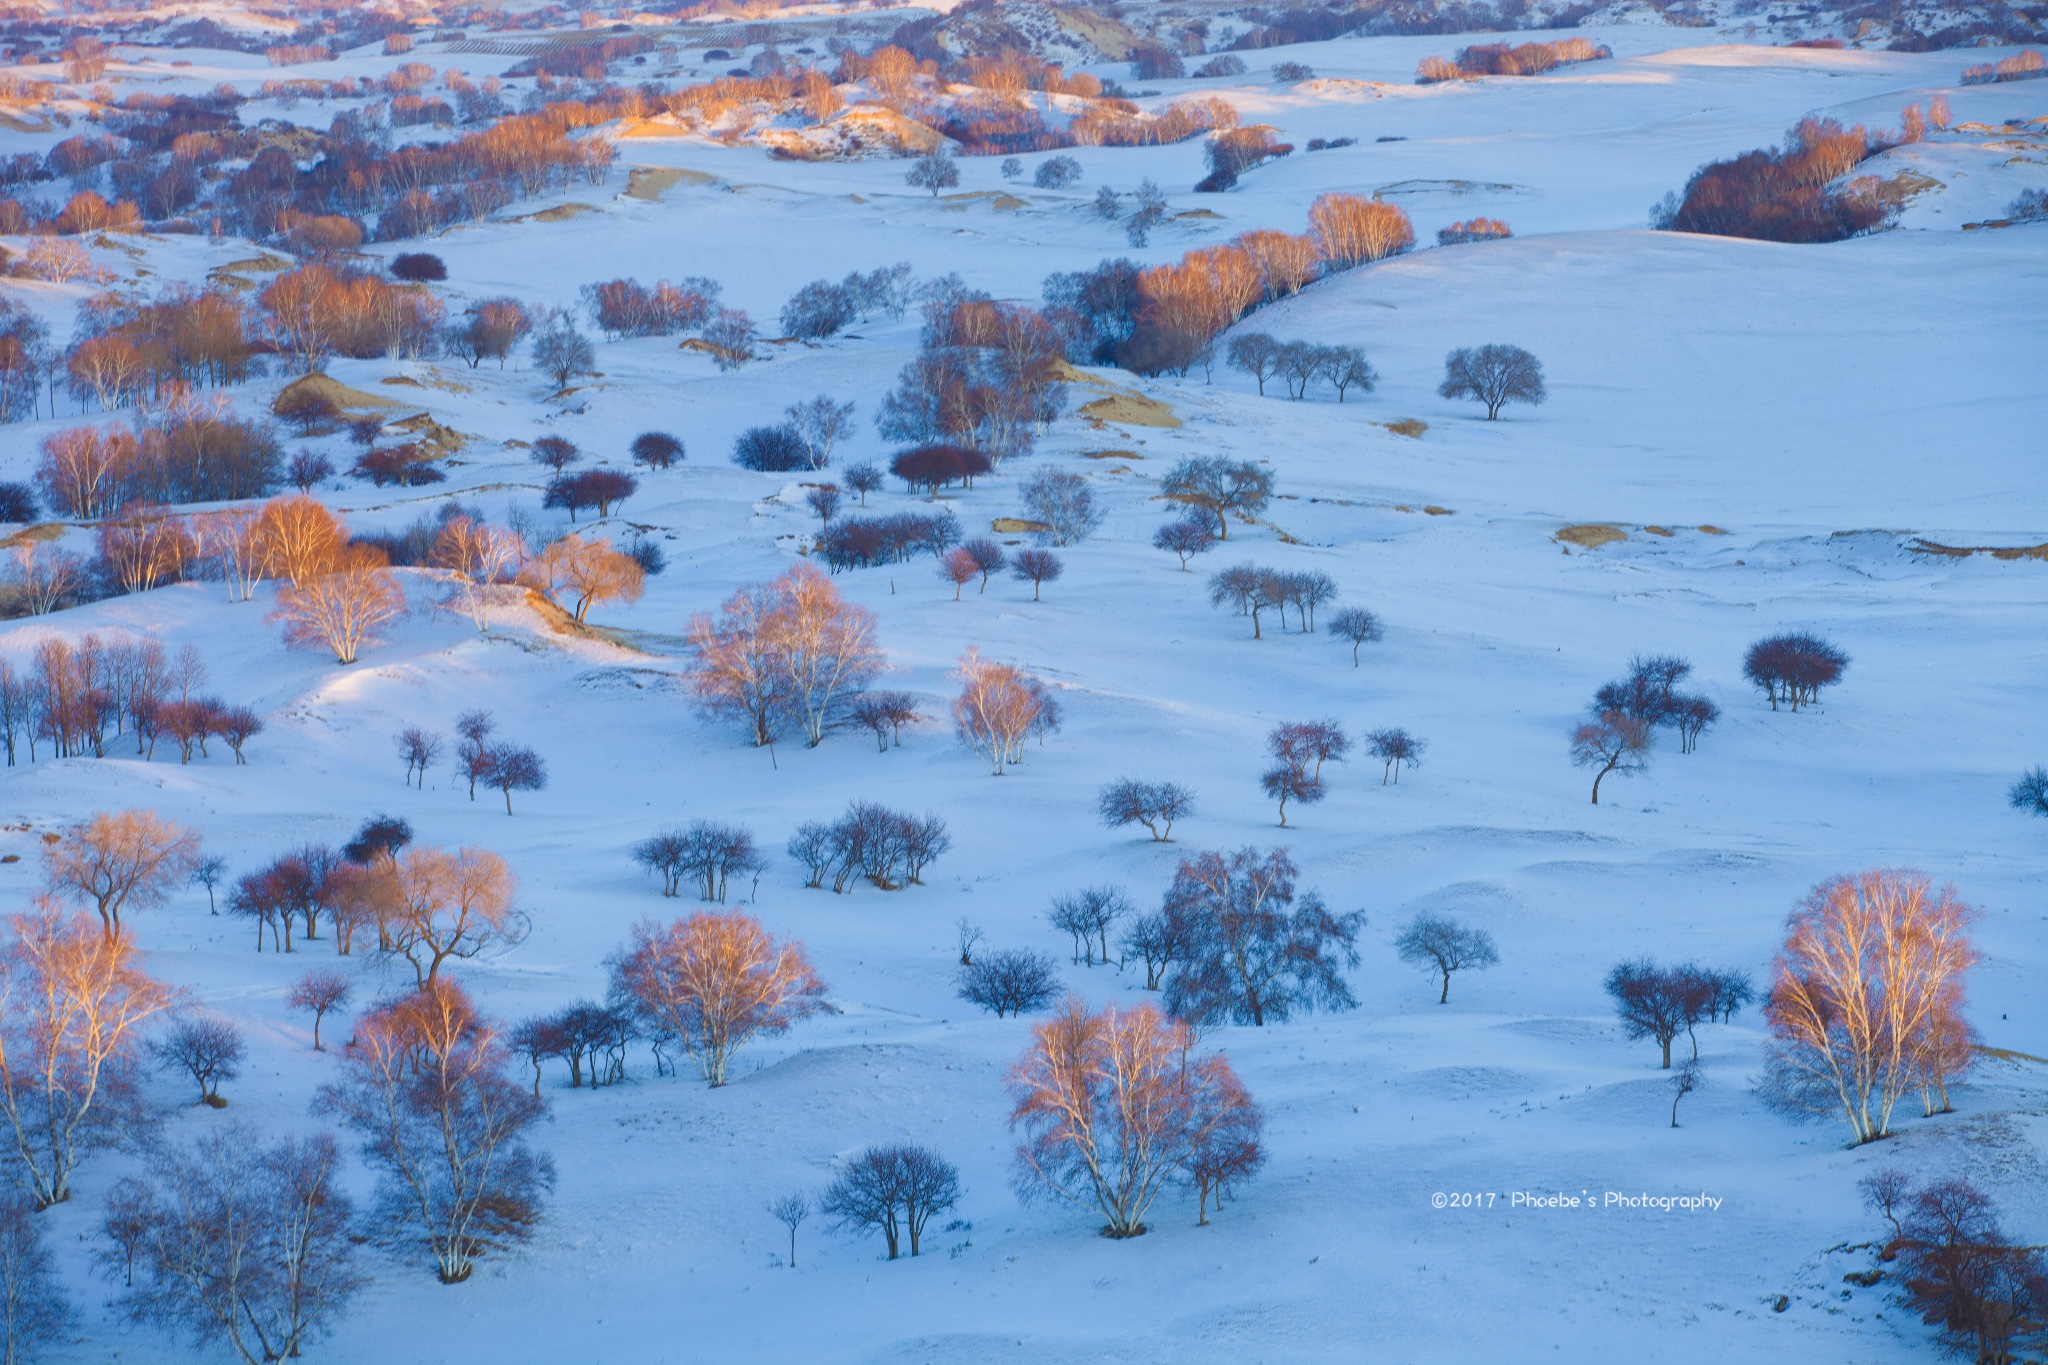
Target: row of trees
72 696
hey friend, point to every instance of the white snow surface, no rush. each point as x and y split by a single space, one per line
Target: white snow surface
1819 406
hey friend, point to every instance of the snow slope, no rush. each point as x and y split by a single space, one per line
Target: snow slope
1819 406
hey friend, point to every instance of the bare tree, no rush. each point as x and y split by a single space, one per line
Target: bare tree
713 982
516 769
1300 748
1114 1105
1037 567
72 1005
207 1049
1394 747
1611 742
969 934
131 859
474 752
1884 1192
1653 1002
1185 539
33 1308
988 557
1240 954
449 905
1445 946
1216 487
2030 793
1153 939
1063 502
1495 375
1009 981
863 479
424 1085
1690 1077
1248 588
1155 805
823 499
321 991
820 424
1257 354
790 1211
1087 915
207 872
1692 716
237 1242
1356 625
419 748
885 714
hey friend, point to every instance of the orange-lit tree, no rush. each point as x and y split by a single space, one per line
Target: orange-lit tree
343 607
424 1085
120 860
998 707
714 981
72 1005
1112 1108
297 538
446 905
583 573
1866 996
1350 229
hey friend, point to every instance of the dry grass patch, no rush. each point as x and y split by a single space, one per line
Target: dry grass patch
1592 535
1012 526
1130 410
1407 426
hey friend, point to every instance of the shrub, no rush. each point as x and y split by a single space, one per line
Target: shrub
1288 73
1150 62
817 310
775 449
1056 173
1226 65
933 467
1010 982
418 267
656 449
1472 230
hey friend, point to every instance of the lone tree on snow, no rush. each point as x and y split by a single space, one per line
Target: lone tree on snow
1611 742
934 171
2030 793
1495 375
1442 945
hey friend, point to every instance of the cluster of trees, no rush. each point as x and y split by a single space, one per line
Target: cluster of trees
821 308
583 1035
1238 948
708 854
1473 230
1249 590
1299 749
426 905
1300 363
1866 1001
1787 195
803 440
865 542
1625 715
1660 1002
1114 1105
627 308
986 376
79 697
888 849
1793 667
1503 59
791 649
1984 1294
894 1190
1233 152
183 451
